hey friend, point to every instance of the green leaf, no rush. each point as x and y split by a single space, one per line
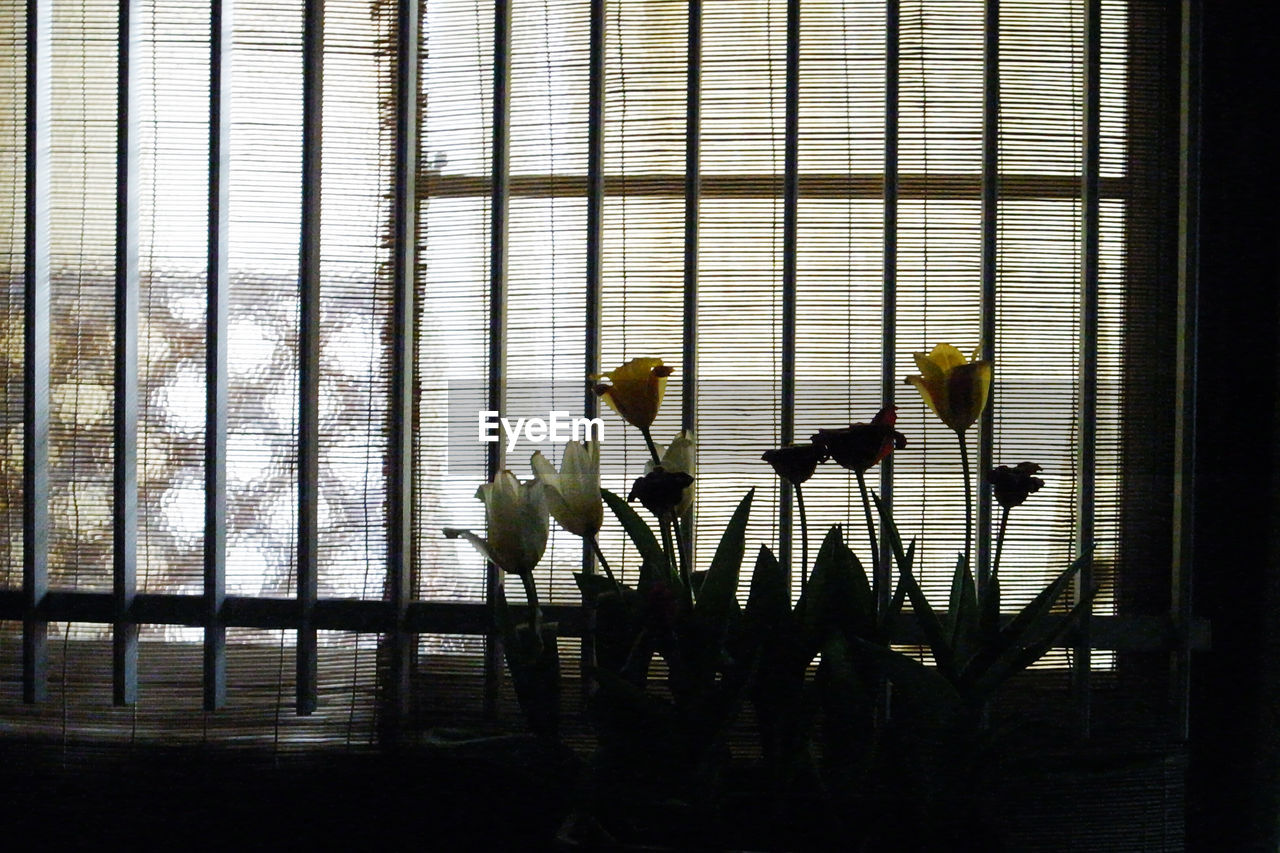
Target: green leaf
815 605
990 627
840 688
769 601
534 663
595 587
934 633
1022 655
717 597
863 599
1039 608
1031 620
890 530
634 701
900 594
655 559
838 594
931 693
962 610
890 617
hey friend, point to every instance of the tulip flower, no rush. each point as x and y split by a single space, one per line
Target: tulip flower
635 390
954 388
1011 486
680 457
517 523
660 491
796 463
573 494
859 447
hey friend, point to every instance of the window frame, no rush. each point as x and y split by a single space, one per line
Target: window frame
399 617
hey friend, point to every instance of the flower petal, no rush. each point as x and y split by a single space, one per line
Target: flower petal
480 545
637 390
967 389
929 371
544 470
947 357
934 394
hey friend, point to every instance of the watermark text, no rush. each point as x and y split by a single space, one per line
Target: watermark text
558 428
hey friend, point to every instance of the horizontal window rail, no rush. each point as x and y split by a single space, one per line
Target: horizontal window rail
1125 633
911 185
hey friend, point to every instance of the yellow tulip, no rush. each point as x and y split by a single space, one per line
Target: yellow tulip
954 387
573 493
635 389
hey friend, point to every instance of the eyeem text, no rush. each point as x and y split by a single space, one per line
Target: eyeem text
559 428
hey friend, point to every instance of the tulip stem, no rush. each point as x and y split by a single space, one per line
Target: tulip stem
804 540
678 553
681 550
968 503
1004 522
535 612
665 523
604 564
653 448
876 582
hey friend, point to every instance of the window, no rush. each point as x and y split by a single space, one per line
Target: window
849 182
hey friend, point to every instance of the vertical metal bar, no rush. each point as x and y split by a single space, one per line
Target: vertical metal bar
1088 344
790 230
595 259
124 644
595 198
497 306
309 351
692 201
216 296
889 321
36 328
400 486
1185 381
990 220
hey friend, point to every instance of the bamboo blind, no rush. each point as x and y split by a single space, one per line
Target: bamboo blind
265 260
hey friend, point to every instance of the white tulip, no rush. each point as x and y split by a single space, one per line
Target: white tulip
516 521
573 493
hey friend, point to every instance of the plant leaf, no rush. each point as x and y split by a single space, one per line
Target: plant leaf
900 594
962 610
890 530
634 700
717 598
990 605
769 602
818 605
642 536
863 599
1022 655
1030 620
1042 604
934 633
933 694
595 587
534 664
